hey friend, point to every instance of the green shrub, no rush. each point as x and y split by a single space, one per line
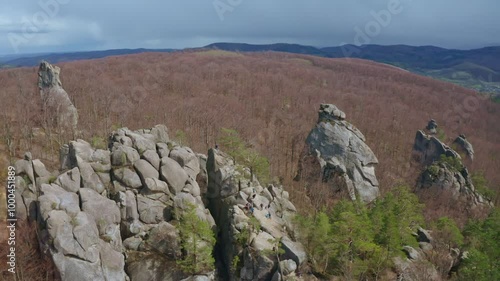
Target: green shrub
241 153
181 137
52 179
482 240
433 170
451 162
98 142
243 237
198 241
441 135
235 264
365 239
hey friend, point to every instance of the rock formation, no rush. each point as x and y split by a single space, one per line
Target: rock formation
428 148
337 150
465 146
254 221
57 106
432 127
444 170
113 214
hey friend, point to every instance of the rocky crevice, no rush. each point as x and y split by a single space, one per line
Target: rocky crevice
249 242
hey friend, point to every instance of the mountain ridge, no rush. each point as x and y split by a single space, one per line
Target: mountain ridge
477 69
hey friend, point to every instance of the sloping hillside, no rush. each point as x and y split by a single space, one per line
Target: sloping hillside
270 98
477 69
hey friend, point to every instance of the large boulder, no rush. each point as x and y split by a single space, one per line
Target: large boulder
465 146
187 159
127 177
163 238
85 244
153 158
145 170
173 174
337 150
70 180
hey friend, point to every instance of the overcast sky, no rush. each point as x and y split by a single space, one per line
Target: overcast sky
29 26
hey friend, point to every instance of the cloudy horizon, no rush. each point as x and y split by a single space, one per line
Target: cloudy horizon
69 25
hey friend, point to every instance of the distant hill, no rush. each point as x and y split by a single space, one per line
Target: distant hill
279 47
478 69
32 60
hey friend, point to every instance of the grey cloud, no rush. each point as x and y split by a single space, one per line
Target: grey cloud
96 24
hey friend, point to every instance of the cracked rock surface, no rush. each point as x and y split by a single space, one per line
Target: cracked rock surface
339 151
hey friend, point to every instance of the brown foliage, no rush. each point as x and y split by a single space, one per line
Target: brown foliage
441 203
270 98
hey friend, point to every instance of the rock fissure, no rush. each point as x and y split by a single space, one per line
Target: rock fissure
248 217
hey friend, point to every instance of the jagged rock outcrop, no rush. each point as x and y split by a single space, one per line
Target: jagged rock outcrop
59 109
441 176
444 170
464 145
112 214
335 149
428 148
254 222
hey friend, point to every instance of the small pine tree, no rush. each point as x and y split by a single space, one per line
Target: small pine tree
231 143
483 241
181 137
197 241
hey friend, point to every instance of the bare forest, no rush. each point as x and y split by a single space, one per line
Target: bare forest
271 99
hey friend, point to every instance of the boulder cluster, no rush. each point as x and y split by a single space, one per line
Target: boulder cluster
337 150
113 214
